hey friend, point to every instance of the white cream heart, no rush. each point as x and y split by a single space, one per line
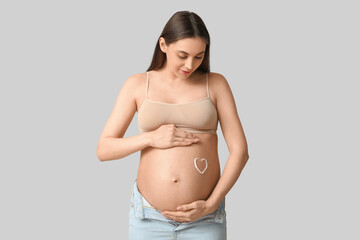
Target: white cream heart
206 165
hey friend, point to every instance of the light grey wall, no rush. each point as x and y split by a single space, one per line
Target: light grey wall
293 67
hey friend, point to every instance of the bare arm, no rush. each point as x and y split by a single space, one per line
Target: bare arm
116 148
112 145
235 139
165 136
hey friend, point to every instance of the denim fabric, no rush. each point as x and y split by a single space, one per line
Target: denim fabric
145 222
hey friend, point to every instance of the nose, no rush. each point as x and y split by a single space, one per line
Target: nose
188 64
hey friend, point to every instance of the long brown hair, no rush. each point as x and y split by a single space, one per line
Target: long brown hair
183 24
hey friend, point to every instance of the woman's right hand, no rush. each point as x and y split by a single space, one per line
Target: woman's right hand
168 135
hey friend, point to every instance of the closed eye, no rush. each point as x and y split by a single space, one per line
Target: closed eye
185 57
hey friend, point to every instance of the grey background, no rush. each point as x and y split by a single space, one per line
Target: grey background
293 67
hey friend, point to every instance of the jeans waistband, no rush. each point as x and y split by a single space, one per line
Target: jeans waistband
143 209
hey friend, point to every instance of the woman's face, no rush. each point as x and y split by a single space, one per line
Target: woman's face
184 55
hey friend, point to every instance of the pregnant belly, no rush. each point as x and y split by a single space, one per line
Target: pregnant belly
169 177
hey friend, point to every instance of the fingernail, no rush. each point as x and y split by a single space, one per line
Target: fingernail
196 139
178 208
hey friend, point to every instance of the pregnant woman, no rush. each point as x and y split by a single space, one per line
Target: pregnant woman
179 192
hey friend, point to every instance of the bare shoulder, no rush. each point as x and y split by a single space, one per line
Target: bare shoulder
135 79
138 83
217 77
134 84
218 85
124 108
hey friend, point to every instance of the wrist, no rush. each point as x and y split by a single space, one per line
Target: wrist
146 138
211 205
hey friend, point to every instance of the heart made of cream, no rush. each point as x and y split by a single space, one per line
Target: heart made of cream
206 165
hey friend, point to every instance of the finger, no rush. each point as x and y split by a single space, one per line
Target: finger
183 142
187 139
184 207
191 135
180 139
181 134
175 214
184 134
182 220
187 207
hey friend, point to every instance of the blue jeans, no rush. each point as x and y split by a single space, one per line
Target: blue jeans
145 222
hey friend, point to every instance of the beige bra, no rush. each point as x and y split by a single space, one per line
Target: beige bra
199 116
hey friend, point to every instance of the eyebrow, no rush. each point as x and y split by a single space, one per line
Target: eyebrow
187 53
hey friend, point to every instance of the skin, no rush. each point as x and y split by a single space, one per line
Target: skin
167 177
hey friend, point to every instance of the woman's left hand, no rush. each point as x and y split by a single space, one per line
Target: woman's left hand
189 212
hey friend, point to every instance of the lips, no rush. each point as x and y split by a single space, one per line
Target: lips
185 72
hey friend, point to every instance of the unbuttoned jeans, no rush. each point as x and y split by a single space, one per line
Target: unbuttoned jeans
145 222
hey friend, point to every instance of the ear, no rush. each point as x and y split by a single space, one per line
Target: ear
162 44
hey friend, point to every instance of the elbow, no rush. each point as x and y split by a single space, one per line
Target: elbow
100 154
243 152
244 156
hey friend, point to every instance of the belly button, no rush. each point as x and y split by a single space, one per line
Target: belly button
175 180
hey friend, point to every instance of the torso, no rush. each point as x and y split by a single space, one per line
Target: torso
168 177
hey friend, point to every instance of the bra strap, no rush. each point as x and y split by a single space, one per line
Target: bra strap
147 84
207 84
